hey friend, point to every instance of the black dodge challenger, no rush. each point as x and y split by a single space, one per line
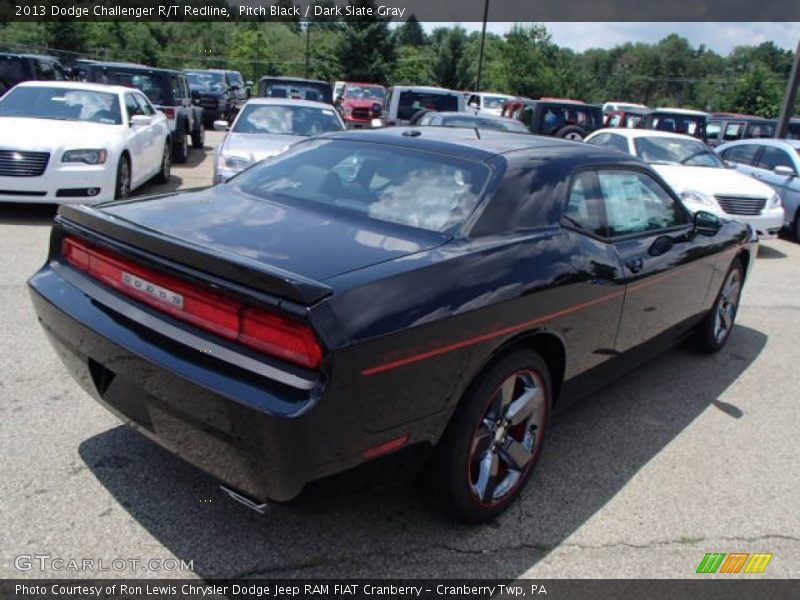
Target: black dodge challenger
372 300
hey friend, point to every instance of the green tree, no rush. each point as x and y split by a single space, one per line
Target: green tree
366 51
411 33
528 62
452 67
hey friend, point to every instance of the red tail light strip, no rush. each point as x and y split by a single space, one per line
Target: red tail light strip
271 334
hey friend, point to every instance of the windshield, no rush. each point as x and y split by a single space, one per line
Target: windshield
387 183
412 102
204 80
62 104
279 119
365 92
498 124
676 151
493 102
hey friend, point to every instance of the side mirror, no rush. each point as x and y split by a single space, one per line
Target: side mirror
221 125
730 164
783 171
473 105
141 120
706 223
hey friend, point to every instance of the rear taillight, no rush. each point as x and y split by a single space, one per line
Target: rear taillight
170 112
269 333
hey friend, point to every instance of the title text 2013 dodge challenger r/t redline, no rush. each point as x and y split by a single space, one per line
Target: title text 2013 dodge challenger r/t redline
415 295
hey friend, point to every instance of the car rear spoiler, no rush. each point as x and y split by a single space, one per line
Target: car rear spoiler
92 223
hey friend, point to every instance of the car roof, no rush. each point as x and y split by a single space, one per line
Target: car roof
631 133
127 65
466 113
778 142
469 144
80 85
289 102
282 78
680 111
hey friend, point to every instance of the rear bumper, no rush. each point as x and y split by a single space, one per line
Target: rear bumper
260 437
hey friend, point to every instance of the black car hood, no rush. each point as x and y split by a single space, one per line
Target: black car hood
315 243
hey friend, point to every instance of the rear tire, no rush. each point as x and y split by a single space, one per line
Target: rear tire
180 147
715 329
492 444
199 137
570 132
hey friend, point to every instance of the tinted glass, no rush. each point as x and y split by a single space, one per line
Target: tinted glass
399 185
154 86
733 131
760 130
773 157
412 102
366 92
713 130
205 81
584 209
744 154
676 151
556 117
636 203
687 125
11 71
286 119
61 104
482 123
235 78
296 90
145 105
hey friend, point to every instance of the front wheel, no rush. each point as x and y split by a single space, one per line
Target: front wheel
494 440
166 165
122 189
716 327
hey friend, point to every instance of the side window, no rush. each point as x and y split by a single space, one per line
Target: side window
600 139
744 154
713 130
584 208
474 99
44 70
733 131
773 157
132 106
618 142
177 92
145 106
636 203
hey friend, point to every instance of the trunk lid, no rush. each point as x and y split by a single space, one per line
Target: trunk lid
285 250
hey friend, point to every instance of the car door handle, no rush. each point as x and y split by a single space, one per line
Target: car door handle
635 265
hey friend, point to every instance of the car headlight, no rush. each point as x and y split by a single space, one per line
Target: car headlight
233 163
774 201
89 157
699 198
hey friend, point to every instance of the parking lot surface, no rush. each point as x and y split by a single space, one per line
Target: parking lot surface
686 455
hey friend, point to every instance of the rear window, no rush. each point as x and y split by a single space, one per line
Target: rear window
388 183
154 86
62 104
412 102
296 90
287 119
11 71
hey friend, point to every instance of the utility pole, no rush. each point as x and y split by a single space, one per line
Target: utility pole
483 40
308 44
789 98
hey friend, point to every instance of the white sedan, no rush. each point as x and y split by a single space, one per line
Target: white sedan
700 177
266 127
64 141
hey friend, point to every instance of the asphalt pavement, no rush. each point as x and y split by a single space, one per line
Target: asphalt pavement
686 455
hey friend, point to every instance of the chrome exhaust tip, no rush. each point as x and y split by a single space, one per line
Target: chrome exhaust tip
250 503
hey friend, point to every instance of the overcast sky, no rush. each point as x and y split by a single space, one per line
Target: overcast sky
720 37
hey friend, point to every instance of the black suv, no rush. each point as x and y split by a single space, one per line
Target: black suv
221 93
569 119
168 90
16 68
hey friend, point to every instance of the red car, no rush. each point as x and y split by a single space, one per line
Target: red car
360 103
